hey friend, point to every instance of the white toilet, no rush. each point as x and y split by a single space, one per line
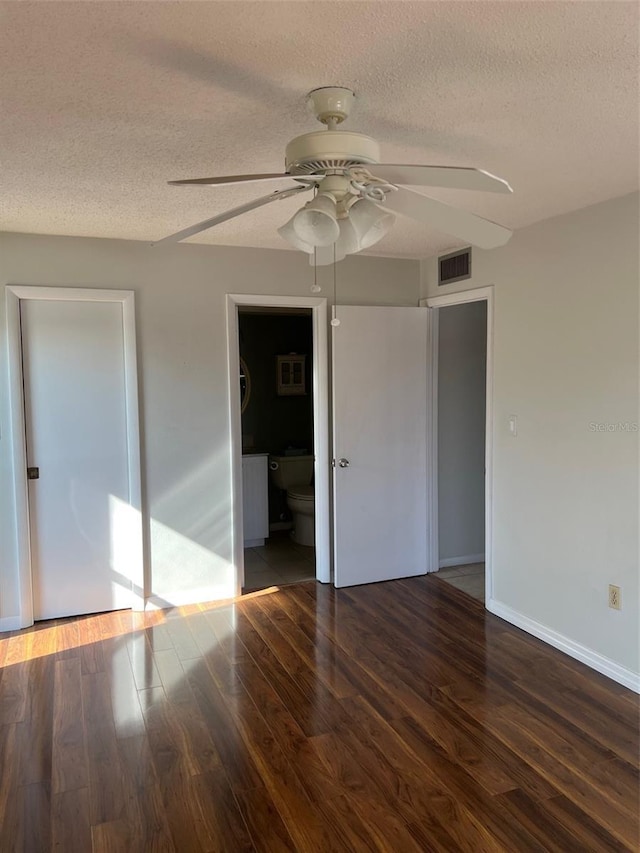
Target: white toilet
293 474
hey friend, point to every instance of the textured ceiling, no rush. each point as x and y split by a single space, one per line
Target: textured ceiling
103 102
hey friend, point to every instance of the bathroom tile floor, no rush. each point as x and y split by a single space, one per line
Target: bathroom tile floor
468 578
279 561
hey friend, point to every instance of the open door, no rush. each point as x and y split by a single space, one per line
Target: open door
380 444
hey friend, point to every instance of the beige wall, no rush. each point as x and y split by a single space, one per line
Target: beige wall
566 510
182 355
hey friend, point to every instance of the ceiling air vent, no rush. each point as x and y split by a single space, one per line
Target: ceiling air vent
454 267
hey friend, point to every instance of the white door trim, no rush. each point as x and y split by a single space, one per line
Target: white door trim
13 295
478 294
433 554
318 307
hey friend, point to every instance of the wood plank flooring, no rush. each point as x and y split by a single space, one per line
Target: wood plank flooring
392 717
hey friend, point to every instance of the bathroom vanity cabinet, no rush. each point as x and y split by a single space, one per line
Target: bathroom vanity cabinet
255 498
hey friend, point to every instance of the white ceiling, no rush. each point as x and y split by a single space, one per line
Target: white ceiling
103 102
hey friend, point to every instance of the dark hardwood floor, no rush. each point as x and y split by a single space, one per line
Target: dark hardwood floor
395 717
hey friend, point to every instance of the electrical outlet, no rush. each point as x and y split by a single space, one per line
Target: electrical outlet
615 597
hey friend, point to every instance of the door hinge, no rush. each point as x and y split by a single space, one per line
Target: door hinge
33 473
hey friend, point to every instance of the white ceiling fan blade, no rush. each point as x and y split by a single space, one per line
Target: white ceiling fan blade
244 179
451 177
230 214
451 220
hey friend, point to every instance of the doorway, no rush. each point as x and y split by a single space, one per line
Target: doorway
74 410
276 414
267 436
461 430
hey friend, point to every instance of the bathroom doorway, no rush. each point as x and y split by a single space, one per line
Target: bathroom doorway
279 425
276 413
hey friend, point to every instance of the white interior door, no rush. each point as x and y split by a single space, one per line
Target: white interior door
380 433
76 432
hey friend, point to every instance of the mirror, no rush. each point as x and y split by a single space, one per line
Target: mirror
245 385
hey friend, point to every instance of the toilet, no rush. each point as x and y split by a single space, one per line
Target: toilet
293 474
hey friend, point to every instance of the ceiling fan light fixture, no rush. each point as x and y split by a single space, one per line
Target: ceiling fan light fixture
369 222
348 243
317 222
358 232
288 233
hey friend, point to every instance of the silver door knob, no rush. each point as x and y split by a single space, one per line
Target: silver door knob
343 463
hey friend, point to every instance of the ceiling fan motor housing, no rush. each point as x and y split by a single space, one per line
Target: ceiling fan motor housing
324 150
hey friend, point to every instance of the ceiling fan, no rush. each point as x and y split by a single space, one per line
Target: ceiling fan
355 196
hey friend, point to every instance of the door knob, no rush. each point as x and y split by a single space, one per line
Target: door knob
343 463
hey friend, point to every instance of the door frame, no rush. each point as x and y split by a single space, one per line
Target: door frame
318 306
433 303
14 294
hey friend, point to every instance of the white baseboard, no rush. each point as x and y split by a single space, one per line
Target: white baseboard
600 663
460 561
10 623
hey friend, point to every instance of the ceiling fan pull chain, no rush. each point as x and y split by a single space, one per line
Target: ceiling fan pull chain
335 321
315 287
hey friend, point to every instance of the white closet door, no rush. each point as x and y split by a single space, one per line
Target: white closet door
380 434
76 431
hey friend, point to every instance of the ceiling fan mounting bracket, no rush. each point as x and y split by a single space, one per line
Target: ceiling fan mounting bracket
331 105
